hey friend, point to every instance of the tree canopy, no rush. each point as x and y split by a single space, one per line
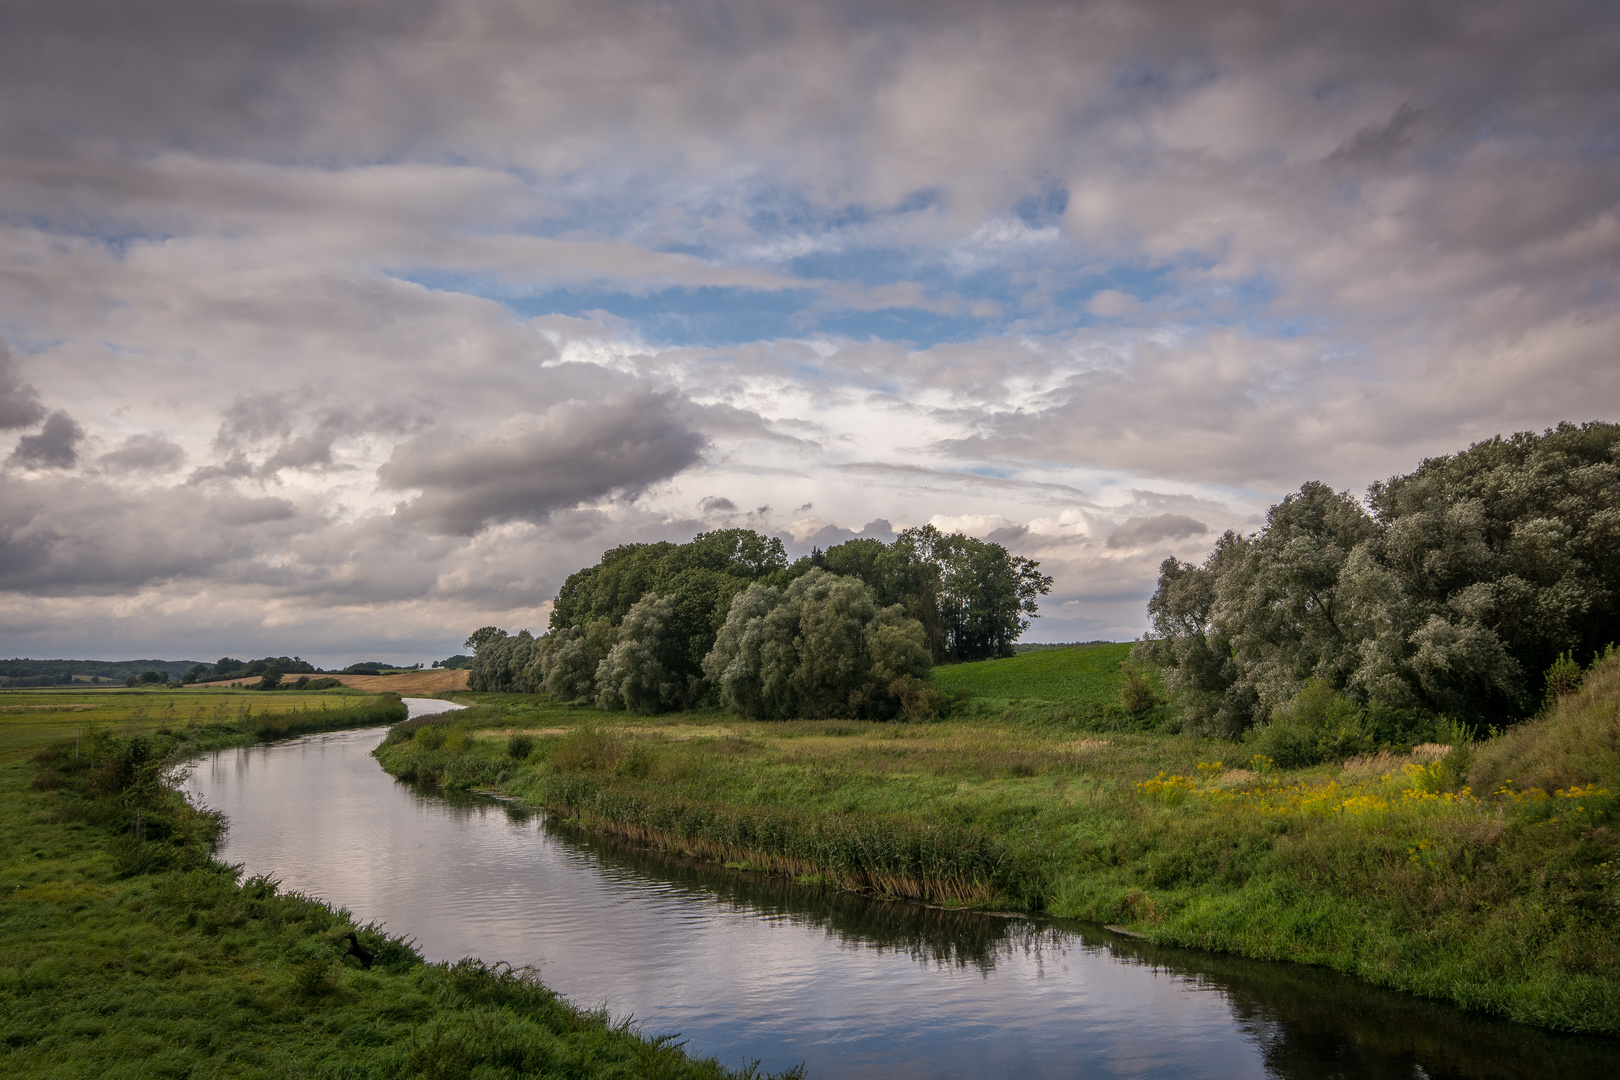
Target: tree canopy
1452 590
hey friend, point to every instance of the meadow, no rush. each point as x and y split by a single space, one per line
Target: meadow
126 950
32 719
1497 890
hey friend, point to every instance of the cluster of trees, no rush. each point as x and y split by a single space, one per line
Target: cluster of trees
1452 591
229 668
842 632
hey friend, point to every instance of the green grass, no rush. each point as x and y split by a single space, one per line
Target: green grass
126 956
1373 868
1085 676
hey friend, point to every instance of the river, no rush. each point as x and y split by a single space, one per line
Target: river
747 968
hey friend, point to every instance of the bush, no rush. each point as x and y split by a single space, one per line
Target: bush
1318 725
1137 696
519 746
430 738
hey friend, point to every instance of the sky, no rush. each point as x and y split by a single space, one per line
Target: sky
340 328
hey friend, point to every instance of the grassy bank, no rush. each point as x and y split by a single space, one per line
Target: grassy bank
1391 867
128 951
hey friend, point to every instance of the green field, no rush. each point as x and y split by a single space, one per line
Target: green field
30 719
1087 675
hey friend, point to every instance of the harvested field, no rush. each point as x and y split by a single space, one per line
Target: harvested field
416 682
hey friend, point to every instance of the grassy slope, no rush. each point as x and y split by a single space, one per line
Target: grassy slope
1503 904
1089 675
109 971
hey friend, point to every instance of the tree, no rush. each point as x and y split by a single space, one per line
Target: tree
698 579
271 679
566 660
822 647
642 671
499 661
973 598
1453 595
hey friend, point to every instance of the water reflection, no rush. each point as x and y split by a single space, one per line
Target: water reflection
1308 1022
747 967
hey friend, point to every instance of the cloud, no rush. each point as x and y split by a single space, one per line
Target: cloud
55 447
1142 532
544 277
1378 143
19 402
151 452
532 466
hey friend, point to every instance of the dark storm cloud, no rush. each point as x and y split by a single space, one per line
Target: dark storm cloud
147 453
527 469
1140 532
55 447
19 402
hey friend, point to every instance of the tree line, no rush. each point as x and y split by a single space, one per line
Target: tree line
849 631
1450 591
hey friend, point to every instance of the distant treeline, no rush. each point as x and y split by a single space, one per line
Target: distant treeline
1459 590
841 632
22 672
42 673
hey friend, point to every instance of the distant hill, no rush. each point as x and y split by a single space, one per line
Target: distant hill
114 671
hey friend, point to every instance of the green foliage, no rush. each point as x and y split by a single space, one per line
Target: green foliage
1469 577
822 647
645 670
1562 679
519 746
502 663
1138 695
567 659
1319 724
972 597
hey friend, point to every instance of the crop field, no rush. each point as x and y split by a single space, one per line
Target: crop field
30 719
1085 675
418 683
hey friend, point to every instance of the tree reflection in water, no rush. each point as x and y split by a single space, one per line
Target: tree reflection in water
1308 1022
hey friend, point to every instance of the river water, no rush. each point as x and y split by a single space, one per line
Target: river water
749 969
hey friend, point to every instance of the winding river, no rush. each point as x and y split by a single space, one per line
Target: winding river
746 969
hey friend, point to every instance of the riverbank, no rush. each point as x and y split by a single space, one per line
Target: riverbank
1389 868
128 950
